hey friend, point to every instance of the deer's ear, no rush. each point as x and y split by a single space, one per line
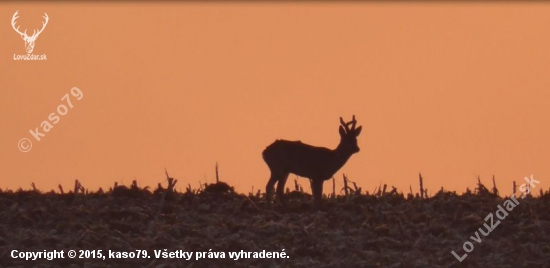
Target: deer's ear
358 131
342 131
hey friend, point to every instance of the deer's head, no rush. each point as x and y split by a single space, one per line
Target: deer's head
29 40
349 135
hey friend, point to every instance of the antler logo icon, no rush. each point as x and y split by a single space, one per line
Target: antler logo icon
29 40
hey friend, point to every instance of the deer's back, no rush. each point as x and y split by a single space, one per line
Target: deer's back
299 158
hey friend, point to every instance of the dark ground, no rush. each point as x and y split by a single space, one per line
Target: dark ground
357 231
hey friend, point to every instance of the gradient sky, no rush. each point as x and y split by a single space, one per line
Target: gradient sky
452 90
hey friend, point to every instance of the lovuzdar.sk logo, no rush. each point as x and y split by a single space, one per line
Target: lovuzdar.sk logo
29 40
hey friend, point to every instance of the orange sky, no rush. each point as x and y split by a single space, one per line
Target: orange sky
452 90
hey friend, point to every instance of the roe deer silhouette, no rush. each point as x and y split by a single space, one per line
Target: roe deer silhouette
316 163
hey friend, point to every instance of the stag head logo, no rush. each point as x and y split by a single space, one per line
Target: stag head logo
29 40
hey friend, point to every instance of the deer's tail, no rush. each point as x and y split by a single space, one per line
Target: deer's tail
270 153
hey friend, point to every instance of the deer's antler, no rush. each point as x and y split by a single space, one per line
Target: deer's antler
342 122
34 33
346 125
43 23
13 24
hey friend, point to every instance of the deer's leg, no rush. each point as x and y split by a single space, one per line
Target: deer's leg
281 188
317 189
269 188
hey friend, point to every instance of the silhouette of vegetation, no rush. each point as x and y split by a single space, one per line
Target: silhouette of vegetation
354 229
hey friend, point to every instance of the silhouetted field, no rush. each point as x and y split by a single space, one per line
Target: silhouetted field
383 230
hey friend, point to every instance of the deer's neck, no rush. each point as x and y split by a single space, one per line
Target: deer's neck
342 155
